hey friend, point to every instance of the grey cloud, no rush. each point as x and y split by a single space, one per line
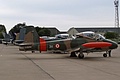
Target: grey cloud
58 12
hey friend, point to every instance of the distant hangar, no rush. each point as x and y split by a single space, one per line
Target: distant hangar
102 30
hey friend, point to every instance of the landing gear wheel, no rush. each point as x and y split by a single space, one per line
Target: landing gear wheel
104 55
73 54
33 51
81 56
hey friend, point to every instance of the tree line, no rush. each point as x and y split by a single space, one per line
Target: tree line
41 31
2 29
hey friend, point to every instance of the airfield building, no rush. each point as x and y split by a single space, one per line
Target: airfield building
73 31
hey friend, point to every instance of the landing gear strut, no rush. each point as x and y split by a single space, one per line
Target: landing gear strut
73 54
109 52
81 55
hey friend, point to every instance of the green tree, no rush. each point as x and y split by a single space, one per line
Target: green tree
44 32
2 28
38 29
1 35
16 28
111 35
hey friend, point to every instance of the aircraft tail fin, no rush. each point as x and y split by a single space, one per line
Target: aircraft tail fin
6 37
31 36
20 36
31 39
22 33
27 35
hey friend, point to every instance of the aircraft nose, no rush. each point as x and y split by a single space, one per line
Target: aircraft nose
114 44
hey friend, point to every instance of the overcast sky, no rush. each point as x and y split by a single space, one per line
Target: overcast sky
63 14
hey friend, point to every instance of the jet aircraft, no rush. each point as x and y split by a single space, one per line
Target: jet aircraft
8 38
85 42
13 38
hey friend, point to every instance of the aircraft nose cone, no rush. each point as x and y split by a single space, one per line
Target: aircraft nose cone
114 44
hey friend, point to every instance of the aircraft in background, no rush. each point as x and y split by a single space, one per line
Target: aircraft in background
20 36
85 42
8 38
13 38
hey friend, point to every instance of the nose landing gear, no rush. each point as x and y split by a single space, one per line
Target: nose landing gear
104 55
107 52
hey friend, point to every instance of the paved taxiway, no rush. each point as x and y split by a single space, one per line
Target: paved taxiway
16 65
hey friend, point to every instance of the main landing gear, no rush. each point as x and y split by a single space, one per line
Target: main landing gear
80 54
73 54
107 52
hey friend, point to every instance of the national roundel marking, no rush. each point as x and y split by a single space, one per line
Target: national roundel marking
57 45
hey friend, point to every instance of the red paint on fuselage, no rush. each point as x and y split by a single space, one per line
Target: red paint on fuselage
96 44
43 45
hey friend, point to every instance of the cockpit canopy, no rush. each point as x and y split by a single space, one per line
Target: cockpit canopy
91 35
62 36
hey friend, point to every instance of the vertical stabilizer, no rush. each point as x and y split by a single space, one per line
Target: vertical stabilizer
31 40
22 33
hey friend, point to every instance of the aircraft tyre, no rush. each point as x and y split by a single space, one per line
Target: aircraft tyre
33 51
81 56
104 55
73 54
